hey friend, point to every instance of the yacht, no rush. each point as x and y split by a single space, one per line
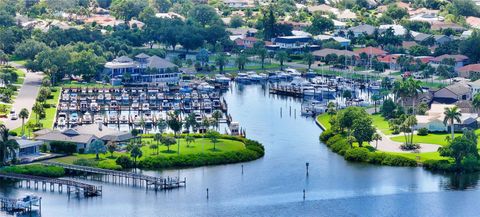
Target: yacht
135 106
72 107
145 107
63 106
61 120
123 119
205 87
94 106
112 118
73 119
242 78
221 79
98 119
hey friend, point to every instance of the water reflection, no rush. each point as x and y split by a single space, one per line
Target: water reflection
460 181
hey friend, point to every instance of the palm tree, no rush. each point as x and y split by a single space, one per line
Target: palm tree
308 58
191 121
414 87
39 110
189 139
221 61
375 99
281 56
216 115
175 124
262 53
161 125
451 115
158 138
376 137
7 146
240 61
206 123
23 115
476 101
135 153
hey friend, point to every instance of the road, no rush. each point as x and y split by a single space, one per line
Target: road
26 95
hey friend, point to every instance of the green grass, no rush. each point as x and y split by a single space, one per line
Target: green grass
432 138
199 146
74 84
324 120
20 62
421 157
381 124
433 85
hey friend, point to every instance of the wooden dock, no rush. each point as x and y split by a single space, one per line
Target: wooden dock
25 204
286 91
150 182
72 186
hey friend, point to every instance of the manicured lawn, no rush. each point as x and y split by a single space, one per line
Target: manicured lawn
324 119
200 145
439 139
20 62
422 156
91 85
380 123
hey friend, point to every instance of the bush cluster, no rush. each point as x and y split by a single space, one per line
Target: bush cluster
63 147
104 164
36 170
422 131
338 144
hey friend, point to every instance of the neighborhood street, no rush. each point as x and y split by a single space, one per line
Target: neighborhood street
26 95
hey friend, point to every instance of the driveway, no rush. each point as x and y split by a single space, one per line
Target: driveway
26 95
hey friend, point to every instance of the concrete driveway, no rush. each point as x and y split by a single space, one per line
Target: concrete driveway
26 96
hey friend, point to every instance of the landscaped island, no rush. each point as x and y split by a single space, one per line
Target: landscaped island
195 150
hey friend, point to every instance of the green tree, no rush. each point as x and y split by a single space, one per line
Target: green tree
97 147
362 129
157 138
375 99
460 148
175 124
127 9
135 153
320 24
236 21
204 15
331 109
189 139
213 136
281 57
168 141
262 54
221 61
161 125
476 101
451 115
39 111
154 147
241 61
8 146
23 115
376 137
308 58
111 147
216 116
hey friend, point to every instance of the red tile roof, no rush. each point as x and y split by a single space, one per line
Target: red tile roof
392 58
408 44
470 68
373 51
458 57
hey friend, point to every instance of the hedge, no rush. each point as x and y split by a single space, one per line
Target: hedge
36 170
338 144
63 147
104 164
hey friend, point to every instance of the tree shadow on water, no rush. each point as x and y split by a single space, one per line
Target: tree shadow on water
460 181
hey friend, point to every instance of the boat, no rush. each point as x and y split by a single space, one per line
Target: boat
87 118
112 118
272 76
135 106
94 106
73 119
63 107
72 107
242 78
98 119
148 120
61 120
123 119
145 107
205 87
221 79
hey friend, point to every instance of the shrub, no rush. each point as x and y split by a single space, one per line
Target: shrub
44 148
327 134
422 131
394 160
334 139
125 162
36 170
439 165
109 165
376 158
63 147
86 162
340 147
357 154
12 133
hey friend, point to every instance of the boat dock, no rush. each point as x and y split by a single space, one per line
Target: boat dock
286 90
72 186
150 182
20 205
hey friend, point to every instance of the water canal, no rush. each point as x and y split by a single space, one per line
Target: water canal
273 185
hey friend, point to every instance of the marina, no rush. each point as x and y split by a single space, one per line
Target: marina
25 204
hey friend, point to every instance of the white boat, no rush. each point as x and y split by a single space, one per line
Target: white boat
63 107
73 119
94 106
87 118
72 107
98 119
242 78
221 79
123 119
255 77
113 118
135 105
205 87
61 121
145 107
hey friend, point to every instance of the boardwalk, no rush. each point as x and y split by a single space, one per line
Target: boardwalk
150 182
72 186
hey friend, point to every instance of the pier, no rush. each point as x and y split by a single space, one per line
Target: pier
286 90
150 182
72 186
20 205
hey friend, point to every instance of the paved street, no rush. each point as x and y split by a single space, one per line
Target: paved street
26 96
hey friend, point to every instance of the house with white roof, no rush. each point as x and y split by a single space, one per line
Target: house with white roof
398 30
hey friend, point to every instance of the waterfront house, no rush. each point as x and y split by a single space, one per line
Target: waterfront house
292 43
371 51
70 135
27 148
469 70
321 54
453 93
145 69
433 120
344 42
106 134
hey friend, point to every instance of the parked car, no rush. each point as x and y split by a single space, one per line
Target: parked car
13 115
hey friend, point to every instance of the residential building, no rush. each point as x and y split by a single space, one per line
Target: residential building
460 60
452 93
372 51
145 69
473 22
391 61
439 26
72 136
346 15
293 43
343 41
321 54
475 86
398 30
27 148
244 43
362 29
433 120
469 70
323 8
239 3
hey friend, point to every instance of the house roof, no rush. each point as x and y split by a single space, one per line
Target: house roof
443 25
458 89
123 59
346 14
118 137
68 137
457 57
421 37
391 58
470 68
142 56
292 39
322 7
372 51
408 44
473 21
25 143
241 31
326 51
397 29
367 29
159 63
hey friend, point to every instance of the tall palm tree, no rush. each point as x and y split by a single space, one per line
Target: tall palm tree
221 61
282 56
308 58
262 53
23 115
376 137
7 146
451 115
39 110
414 87
175 124
216 115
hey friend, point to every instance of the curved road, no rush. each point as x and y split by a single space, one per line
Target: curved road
26 95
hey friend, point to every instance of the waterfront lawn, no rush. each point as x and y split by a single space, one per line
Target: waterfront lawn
200 145
324 120
422 157
431 138
76 84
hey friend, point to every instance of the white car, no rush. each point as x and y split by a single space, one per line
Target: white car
13 115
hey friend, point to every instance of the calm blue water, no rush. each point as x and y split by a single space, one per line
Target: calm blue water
273 185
